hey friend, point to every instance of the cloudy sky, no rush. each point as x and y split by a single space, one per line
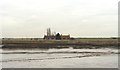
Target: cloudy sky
79 18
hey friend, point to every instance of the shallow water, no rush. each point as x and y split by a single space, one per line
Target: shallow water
60 58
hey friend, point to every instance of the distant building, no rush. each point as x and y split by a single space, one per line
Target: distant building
56 36
65 36
49 37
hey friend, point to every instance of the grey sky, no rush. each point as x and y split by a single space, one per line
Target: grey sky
79 18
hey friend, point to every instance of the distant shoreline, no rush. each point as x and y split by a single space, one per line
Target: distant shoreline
41 43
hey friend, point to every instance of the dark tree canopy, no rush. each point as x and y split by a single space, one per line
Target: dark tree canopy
58 36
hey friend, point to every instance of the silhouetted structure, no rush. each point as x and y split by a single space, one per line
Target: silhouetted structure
48 32
55 36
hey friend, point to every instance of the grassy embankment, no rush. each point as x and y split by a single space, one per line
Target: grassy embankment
76 43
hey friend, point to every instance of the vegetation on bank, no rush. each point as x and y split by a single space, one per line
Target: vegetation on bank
75 43
94 47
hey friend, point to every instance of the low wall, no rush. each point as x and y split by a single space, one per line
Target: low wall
53 43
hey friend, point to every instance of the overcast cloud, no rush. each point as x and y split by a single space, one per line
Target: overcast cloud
79 18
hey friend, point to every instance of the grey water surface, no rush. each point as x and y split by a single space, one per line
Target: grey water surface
59 58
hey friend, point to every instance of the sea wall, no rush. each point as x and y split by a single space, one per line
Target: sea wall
41 43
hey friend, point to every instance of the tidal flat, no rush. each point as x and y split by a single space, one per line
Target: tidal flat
60 58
